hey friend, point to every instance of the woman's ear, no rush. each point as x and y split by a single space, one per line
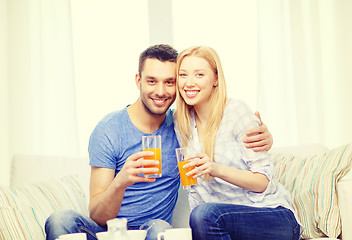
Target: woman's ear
216 82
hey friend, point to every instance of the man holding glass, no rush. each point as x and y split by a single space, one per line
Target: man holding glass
118 187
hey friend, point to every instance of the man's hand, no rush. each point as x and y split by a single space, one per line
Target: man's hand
134 166
262 140
107 191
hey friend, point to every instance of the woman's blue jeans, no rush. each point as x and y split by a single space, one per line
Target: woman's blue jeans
68 221
229 222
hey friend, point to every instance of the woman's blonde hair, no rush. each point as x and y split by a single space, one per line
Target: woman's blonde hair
218 100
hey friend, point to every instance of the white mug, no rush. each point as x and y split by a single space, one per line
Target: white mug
176 234
132 234
73 236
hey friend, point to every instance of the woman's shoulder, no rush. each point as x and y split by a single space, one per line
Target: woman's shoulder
237 106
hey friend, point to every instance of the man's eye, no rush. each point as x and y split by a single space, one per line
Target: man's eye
170 83
151 81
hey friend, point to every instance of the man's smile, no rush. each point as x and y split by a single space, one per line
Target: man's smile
159 101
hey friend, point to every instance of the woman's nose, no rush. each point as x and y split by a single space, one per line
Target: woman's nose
190 81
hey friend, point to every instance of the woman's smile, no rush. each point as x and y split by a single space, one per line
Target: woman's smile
191 93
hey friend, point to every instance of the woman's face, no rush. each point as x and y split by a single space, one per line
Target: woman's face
196 81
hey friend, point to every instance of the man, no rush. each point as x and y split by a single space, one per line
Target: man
117 185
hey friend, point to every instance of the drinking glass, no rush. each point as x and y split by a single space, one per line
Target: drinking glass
187 181
153 144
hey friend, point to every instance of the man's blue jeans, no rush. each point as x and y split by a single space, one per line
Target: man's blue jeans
229 221
68 221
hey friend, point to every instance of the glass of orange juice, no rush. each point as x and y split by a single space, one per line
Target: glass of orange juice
187 181
153 144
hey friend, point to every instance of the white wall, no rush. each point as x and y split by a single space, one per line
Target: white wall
108 37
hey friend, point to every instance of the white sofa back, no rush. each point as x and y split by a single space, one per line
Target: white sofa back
34 168
27 169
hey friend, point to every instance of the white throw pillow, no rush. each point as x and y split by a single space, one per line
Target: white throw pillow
25 208
312 182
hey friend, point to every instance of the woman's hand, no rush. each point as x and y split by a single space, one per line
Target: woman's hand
245 179
203 165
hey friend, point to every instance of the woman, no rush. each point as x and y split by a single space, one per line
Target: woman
239 198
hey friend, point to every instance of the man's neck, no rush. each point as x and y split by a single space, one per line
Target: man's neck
144 120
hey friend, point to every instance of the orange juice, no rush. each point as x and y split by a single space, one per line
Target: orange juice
186 180
156 156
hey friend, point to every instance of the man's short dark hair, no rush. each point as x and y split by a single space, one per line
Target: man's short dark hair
161 52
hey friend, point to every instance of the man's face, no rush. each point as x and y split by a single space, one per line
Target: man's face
157 85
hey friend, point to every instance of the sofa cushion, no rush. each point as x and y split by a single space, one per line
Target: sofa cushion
25 208
312 182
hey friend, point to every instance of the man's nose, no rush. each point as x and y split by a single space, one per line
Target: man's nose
160 90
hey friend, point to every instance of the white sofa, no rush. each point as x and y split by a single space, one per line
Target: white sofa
36 172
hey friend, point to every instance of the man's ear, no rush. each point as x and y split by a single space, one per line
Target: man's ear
138 81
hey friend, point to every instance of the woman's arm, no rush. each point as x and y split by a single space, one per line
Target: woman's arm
256 182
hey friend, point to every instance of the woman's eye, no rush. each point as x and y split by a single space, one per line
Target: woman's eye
200 74
182 75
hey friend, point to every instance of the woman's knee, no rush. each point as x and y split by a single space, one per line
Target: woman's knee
202 214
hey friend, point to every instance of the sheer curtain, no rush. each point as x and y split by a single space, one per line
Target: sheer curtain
303 79
40 113
4 120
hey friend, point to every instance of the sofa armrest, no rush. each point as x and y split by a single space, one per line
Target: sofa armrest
344 191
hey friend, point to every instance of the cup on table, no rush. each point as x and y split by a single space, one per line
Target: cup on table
73 236
153 144
176 234
132 234
187 181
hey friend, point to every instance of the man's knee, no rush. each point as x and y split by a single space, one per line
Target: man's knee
61 222
154 227
61 217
